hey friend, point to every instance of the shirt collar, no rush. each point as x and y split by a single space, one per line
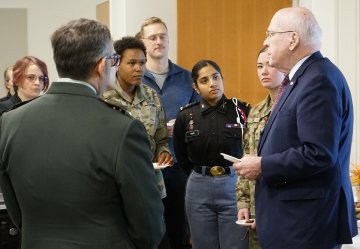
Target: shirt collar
77 82
220 106
138 96
297 66
123 94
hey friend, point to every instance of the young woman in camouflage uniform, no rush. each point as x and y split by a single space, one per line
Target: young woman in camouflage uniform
271 79
140 100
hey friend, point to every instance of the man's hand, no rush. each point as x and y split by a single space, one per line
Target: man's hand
249 167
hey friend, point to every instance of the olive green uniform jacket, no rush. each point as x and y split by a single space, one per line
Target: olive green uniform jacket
76 174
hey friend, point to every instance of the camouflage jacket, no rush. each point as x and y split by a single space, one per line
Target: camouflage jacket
258 116
147 108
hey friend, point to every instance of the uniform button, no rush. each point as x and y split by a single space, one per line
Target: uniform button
213 133
13 231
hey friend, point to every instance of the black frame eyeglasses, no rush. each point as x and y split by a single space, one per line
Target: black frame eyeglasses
115 59
269 33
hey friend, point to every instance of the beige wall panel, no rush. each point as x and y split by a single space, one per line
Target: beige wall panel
13 30
231 33
102 13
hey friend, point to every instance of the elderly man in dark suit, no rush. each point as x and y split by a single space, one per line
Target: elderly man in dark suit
74 173
303 191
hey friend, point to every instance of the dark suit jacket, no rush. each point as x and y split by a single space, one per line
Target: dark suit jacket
76 173
5 97
8 104
304 197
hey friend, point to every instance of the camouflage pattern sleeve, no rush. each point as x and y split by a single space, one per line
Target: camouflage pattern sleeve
246 144
161 135
242 193
256 121
146 107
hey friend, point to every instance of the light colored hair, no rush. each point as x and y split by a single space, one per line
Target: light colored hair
138 35
150 21
6 74
78 46
302 21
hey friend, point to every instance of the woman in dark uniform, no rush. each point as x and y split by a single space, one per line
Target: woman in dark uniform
202 131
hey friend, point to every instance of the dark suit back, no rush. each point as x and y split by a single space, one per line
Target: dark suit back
77 174
304 197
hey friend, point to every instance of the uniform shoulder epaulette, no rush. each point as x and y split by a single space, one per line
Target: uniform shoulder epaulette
243 104
247 105
17 105
188 105
115 106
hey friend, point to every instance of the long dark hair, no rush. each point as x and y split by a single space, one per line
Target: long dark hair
203 63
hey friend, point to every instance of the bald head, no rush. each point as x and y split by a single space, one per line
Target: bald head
293 34
302 21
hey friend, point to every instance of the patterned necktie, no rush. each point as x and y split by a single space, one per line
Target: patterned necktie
283 85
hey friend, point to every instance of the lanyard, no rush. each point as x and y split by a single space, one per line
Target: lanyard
239 113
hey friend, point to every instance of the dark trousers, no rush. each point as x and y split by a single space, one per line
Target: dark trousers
337 247
165 243
174 203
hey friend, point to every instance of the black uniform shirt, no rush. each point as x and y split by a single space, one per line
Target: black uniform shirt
8 104
202 132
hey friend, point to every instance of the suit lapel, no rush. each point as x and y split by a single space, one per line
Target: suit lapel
284 96
274 113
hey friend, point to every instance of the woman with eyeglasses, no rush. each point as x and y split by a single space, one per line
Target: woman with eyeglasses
202 131
30 79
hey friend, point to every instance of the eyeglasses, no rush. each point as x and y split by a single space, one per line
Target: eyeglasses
115 59
269 33
153 38
33 78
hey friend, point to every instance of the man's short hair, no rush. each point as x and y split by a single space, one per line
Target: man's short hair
128 42
150 21
78 46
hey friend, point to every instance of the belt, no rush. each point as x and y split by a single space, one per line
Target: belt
212 170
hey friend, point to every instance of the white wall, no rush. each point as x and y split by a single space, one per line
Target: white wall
12 19
44 17
126 17
340 22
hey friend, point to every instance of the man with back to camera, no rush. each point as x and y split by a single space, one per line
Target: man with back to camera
74 173
303 193
174 86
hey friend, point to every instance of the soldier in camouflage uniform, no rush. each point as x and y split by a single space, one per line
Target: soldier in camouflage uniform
271 79
141 101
